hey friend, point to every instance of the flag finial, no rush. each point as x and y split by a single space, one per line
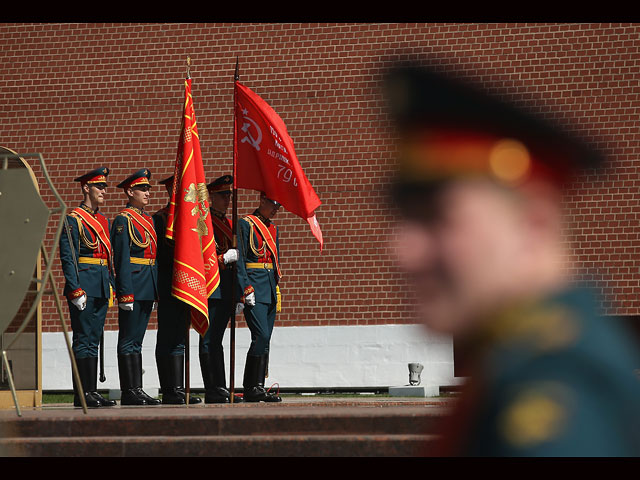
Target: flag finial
236 75
188 66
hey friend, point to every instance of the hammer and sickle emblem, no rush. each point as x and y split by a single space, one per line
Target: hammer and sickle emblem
254 142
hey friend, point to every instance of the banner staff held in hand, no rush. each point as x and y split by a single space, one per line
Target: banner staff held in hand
234 223
264 160
195 265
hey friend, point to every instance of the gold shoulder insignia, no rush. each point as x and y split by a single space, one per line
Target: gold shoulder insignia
537 414
542 328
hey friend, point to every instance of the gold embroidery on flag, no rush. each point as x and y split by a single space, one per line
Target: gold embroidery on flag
200 196
193 283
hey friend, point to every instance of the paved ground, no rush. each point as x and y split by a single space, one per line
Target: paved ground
301 425
315 403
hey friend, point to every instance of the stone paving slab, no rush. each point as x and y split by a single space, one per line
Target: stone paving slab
299 426
303 403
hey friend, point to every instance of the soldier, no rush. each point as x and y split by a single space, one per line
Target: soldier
86 257
134 250
480 188
258 276
173 315
220 301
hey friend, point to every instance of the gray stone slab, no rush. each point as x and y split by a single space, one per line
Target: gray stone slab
415 391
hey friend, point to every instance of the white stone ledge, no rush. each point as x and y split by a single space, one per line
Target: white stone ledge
315 357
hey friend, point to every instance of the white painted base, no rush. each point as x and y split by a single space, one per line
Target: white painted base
316 357
415 391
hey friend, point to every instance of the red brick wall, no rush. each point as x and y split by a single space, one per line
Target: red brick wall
111 94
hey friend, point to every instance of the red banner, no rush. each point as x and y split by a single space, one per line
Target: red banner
195 264
266 160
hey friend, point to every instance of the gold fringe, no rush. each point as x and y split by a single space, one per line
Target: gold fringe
279 299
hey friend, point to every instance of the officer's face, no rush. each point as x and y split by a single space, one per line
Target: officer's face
139 195
220 201
96 192
464 257
268 207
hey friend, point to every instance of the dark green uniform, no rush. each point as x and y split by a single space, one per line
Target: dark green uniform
258 272
136 278
134 249
86 259
86 266
550 379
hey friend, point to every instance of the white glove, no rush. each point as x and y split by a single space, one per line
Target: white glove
230 256
126 306
250 299
239 308
155 306
80 302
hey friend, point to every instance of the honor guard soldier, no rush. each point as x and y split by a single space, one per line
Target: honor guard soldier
135 246
173 317
86 256
480 187
258 276
220 302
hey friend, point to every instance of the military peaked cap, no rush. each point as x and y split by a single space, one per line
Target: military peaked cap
221 184
449 129
262 194
98 175
141 177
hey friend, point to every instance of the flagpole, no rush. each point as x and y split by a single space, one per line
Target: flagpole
187 356
234 221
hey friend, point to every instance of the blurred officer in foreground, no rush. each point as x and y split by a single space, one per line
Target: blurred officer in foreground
135 246
173 315
258 276
85 255
480 187
220 301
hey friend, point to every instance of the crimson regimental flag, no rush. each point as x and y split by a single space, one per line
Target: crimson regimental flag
265 159
195 264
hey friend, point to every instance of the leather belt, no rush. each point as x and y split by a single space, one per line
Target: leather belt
142 261
93 261
266 266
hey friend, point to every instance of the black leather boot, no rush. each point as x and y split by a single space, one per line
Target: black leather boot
137 359
93 366
264 365
88 378
253 383
176 390
212 393
168 384
219 377
130 381
105 402
252 391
